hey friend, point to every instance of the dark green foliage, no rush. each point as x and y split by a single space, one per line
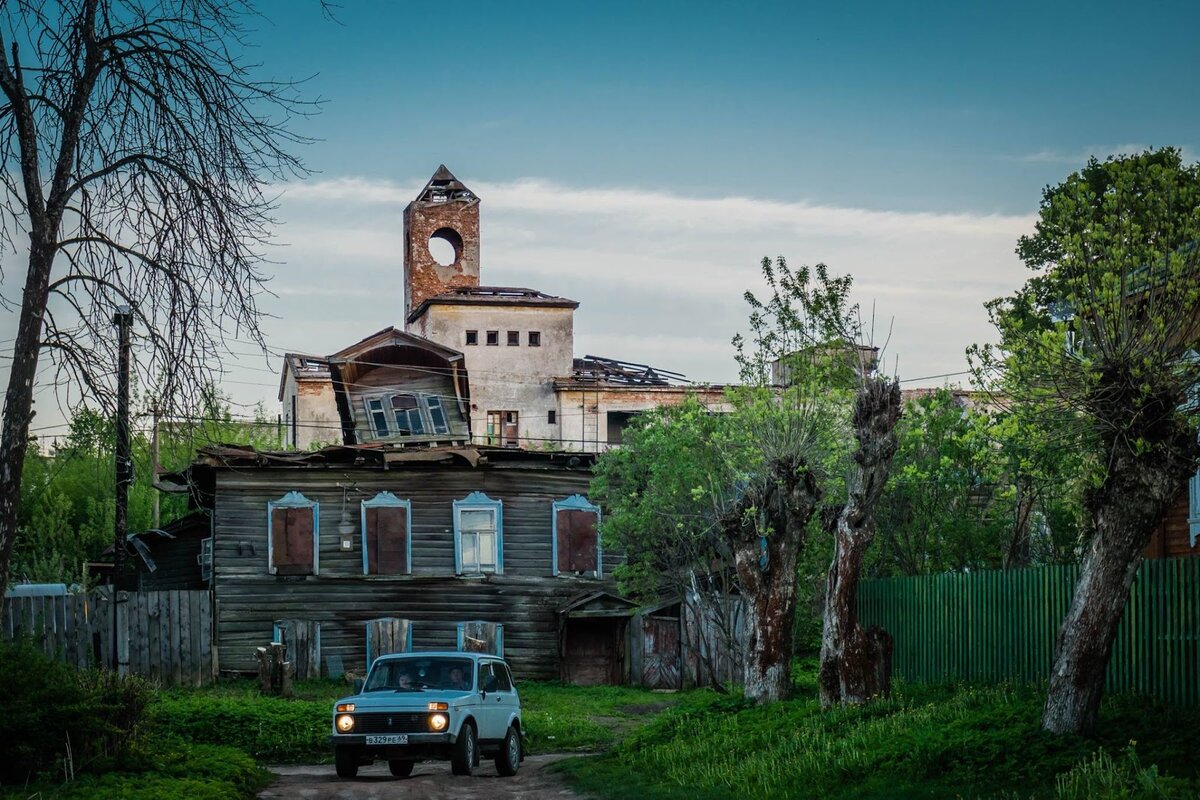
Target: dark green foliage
269 729
66 509
924 742
161 768
52 709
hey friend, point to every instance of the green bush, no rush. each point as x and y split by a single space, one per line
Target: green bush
60 719
268 729
161 769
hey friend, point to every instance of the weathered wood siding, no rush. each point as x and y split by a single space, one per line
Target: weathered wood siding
399 379
1172 538
175 561
525 598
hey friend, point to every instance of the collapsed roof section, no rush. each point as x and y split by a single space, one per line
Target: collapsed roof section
443 187
610 371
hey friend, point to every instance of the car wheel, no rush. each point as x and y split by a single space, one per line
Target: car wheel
509 757
462 760
345 759
401 769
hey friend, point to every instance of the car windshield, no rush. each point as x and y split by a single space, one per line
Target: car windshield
416 673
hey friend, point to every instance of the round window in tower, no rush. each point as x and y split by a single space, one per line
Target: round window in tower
445 245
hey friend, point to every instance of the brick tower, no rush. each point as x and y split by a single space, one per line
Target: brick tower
445 210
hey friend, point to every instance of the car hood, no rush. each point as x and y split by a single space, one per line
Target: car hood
407 701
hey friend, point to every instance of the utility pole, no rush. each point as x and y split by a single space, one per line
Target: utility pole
154 460
123 319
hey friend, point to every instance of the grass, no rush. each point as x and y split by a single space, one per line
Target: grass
558 717
924 742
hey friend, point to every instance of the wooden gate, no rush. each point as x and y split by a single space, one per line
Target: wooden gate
660 654
387 635
303 640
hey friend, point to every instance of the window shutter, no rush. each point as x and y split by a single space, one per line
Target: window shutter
299 542
576 541
279 537
1194 509
391 525
372 540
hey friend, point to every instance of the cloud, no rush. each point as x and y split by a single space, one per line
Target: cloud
659 275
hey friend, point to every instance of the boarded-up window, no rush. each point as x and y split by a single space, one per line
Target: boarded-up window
387 540
576 540
292 540
481 637
576 537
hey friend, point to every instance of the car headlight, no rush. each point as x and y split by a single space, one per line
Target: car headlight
345 723
438 722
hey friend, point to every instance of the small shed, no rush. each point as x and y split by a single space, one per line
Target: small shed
609 639
175 556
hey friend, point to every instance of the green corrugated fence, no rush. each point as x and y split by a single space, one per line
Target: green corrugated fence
1001 626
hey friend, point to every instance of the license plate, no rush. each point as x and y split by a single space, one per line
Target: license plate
396 738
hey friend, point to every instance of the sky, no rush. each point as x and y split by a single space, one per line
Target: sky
642 157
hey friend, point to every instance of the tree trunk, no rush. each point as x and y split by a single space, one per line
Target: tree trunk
18 402
856 663
767 528
1124 512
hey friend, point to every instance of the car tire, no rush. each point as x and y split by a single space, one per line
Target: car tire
345 759
508 760
401 769
466 750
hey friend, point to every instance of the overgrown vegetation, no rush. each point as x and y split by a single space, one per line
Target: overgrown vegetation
923 742
69 733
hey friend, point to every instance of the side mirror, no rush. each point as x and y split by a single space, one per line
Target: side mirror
358 685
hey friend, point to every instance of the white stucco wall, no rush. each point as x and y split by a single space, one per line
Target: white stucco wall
503 377
317 419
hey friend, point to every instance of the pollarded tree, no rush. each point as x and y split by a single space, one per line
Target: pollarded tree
788 431
134 145
1103 340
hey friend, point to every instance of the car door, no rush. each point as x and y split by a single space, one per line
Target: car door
489 706
509 702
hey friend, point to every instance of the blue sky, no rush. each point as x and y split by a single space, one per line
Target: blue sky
946 106
643 157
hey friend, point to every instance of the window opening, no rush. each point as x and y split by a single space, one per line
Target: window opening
472 337
535 338
552 417
514 338
493 338
378 418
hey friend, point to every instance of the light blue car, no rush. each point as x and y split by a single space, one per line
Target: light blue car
418 706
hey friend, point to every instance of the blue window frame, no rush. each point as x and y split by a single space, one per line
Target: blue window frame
575 502
480 630
387 500
478 535
294 500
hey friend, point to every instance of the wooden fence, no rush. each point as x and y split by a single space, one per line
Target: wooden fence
1001 626
164 635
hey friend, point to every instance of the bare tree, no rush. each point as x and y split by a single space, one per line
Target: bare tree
136 142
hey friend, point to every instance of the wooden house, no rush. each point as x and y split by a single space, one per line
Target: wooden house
463 544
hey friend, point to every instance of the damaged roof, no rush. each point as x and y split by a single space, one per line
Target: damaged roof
444 187
304 367
494 296
597 369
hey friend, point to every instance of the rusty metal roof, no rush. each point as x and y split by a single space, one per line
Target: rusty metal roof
597 369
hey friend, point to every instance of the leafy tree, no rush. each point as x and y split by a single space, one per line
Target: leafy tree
1102 342
134 143
657 491
67 498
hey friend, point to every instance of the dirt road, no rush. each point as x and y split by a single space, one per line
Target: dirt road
430 781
